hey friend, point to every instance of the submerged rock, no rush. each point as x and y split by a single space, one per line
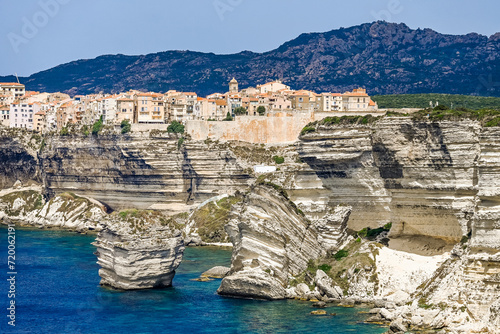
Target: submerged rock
216 272
138 255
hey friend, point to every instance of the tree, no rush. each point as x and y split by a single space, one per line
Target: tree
240 111
261 110
97 127
228 117
175 127
125 125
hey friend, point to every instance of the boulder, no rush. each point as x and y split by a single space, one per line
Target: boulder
325 285
216 272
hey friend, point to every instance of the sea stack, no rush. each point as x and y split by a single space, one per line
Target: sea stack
138 254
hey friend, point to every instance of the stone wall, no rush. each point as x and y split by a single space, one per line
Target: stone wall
275 128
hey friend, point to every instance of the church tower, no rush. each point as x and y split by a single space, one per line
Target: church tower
233 86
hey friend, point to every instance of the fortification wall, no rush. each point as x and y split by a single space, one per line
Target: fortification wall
276 128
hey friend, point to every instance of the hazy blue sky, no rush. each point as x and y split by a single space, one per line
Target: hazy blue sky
37 35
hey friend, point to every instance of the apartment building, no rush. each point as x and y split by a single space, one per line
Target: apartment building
10 92
21 115
150 108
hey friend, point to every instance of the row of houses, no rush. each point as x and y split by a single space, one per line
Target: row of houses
44 112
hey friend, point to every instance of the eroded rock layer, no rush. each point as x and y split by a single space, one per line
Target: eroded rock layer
427 178
273 241
138 254
140 171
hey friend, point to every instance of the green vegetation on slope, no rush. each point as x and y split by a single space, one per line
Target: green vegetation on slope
211 218
422 101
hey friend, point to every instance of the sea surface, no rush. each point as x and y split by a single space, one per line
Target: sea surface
57 291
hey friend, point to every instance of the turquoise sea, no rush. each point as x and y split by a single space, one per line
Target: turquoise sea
57 291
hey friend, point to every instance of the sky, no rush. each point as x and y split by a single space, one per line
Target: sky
39 34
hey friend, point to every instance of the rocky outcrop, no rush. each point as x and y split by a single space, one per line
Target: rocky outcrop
28 206
272 242
141 253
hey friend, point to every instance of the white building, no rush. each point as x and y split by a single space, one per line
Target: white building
272 87
21 115
264 169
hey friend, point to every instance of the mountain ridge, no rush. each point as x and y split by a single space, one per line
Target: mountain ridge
385 58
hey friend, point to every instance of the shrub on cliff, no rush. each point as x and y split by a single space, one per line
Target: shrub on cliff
125 125
494 122
175 127
346 120
307 129
279 160
341 254
64 131
97 127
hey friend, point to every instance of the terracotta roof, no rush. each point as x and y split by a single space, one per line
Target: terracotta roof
10 84
372 103
355 94
221 102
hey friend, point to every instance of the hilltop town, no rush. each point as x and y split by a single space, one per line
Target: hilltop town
50 112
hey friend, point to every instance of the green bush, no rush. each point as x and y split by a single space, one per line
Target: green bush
279 160
494 122
228 117
325 267
97 127
341 254
261 110
126 126
175 127
180 142
307 129
371 234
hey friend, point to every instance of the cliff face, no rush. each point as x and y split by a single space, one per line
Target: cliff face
428 178
140 171
18 161
274 242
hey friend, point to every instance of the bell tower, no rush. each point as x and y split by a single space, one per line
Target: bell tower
233 86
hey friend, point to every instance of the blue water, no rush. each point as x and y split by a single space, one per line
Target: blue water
57 291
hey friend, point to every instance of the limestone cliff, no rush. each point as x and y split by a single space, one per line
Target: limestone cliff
18 156
432 179
273 242
150 170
